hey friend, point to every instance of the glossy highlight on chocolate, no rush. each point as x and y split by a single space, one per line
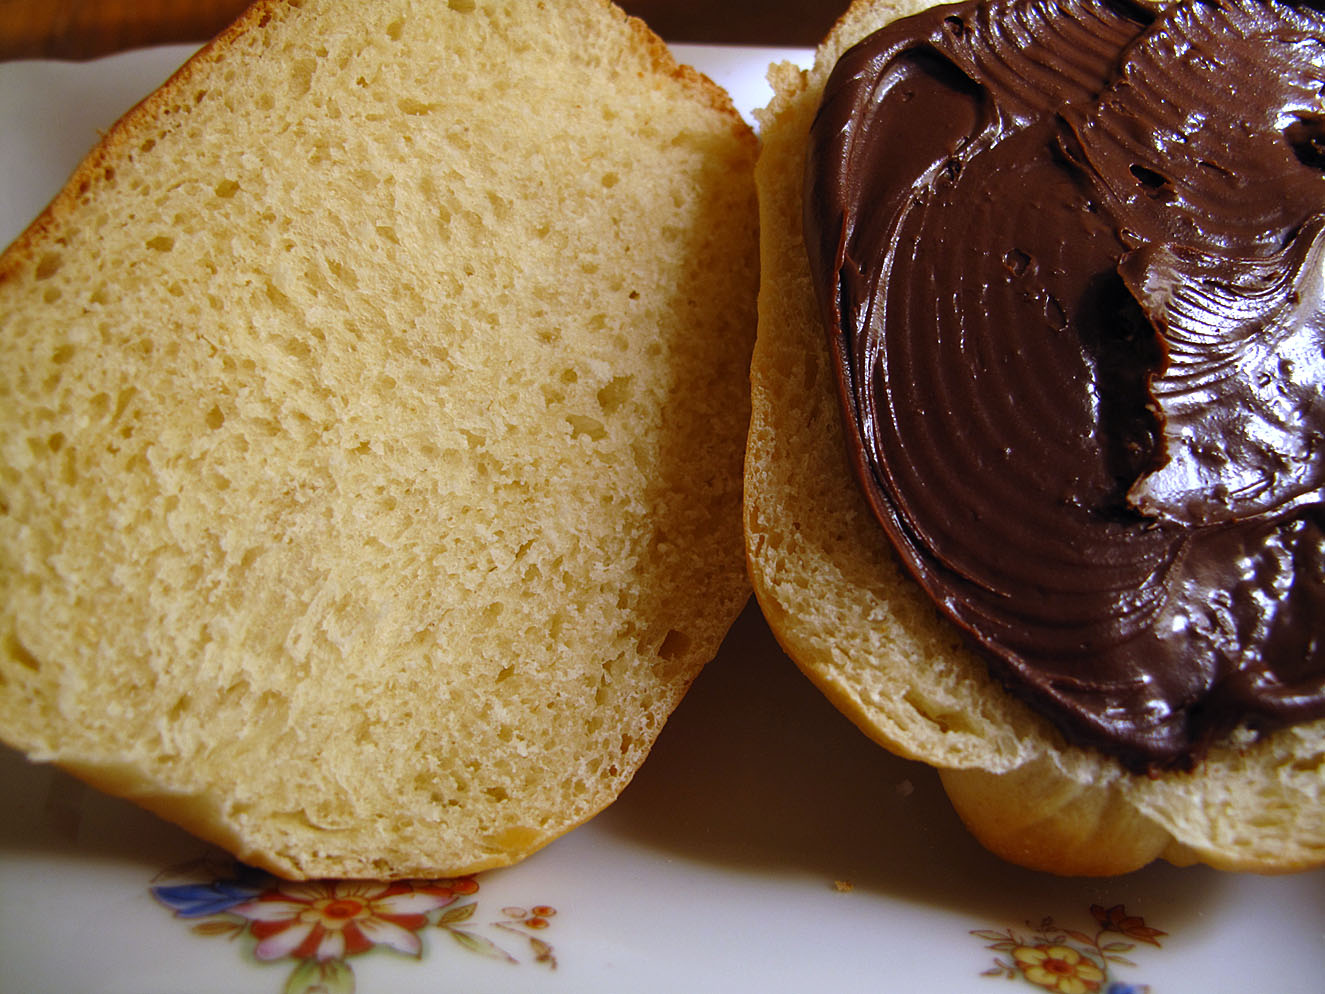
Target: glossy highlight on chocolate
1071 262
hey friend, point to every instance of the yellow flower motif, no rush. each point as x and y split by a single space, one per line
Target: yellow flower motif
1058 968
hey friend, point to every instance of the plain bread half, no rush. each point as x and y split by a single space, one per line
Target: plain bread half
374 399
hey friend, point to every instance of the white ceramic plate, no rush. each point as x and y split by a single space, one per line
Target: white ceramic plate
765 846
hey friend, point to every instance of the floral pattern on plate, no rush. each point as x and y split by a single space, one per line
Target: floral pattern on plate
321 924
1068 961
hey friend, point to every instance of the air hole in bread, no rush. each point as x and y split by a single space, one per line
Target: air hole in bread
674 644
48 265
68 473
301 76
1309 764
122 402
295 347
19 653
1268 816
556 623
461 6
946 720
180 708
276 296
417 108
345 274
616 393
501 206
582 424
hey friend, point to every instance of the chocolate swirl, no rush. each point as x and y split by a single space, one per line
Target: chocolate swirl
1069 255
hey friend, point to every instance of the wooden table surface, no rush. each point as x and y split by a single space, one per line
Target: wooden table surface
80 29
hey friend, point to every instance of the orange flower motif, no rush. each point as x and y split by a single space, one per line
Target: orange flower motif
1058 968
329 920
1116 919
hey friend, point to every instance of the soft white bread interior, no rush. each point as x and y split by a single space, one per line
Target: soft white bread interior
374 400
864 632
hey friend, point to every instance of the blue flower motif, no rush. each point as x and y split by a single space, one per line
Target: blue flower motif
201 900
1121 988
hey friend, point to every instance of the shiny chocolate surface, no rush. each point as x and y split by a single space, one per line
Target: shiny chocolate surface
1069 259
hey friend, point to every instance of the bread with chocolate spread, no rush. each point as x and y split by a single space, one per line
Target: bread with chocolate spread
374 400
1031 487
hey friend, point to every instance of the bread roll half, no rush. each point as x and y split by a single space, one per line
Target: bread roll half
853 619
374 400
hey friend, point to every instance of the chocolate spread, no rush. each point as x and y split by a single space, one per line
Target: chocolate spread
1071 260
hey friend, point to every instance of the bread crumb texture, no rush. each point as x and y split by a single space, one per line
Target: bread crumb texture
864 632
374 402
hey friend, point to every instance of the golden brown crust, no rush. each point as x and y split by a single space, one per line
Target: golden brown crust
83 182
666 64
1036 819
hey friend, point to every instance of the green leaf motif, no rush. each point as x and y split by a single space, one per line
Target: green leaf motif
327 977
454 916
542 952
478 944
218 926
